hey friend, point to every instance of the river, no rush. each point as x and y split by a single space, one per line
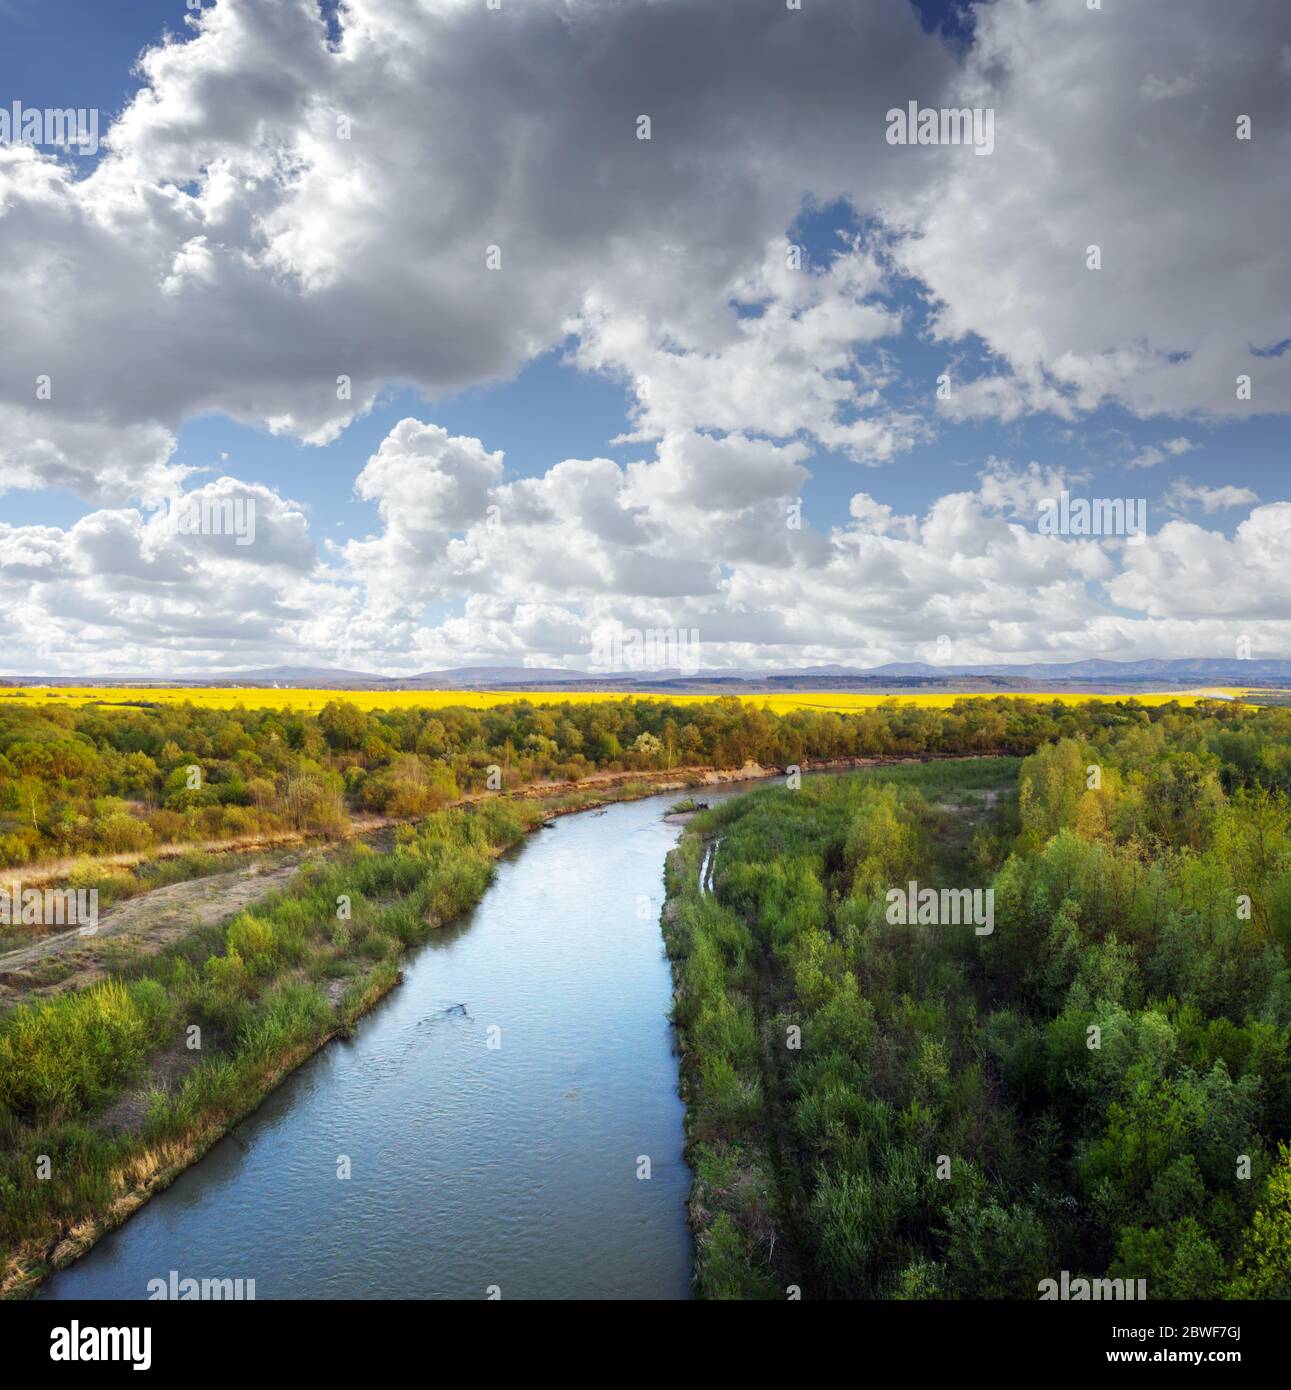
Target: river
472 1168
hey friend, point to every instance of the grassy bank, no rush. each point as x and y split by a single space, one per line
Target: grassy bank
104 1098
741 983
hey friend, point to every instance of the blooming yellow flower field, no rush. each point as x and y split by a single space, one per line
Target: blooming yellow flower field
230 697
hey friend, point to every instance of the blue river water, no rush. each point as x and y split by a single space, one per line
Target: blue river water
513 1168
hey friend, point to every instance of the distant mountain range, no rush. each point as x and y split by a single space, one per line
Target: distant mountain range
1093 674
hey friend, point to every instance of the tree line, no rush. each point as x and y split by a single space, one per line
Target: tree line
110 778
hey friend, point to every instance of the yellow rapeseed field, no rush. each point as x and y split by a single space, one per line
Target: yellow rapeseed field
230 697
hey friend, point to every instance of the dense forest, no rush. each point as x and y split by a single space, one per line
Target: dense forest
110 778
1100 1085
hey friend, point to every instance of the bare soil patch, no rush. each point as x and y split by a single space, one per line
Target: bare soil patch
147 923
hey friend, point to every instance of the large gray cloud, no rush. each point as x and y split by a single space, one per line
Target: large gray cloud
1117 128
232 251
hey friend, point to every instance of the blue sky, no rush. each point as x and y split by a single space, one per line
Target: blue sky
1114 383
